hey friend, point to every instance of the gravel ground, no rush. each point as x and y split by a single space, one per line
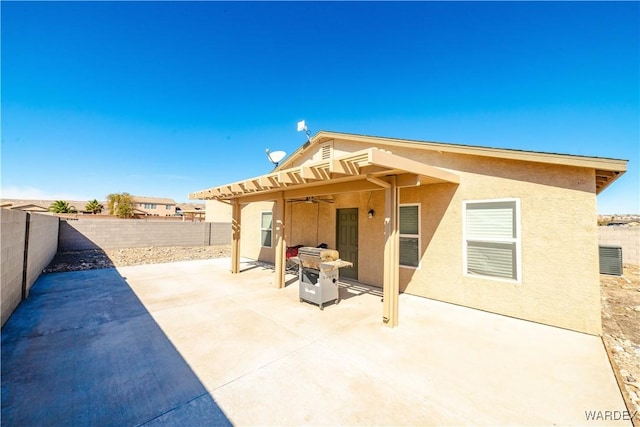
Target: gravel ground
620 299
621 329
95 259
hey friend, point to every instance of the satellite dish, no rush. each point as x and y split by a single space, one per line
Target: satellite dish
275 157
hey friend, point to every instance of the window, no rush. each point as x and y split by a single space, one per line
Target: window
167 207
492 238
266 226
150 206
410 235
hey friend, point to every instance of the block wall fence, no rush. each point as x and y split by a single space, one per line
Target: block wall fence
628 238
28 242
83 234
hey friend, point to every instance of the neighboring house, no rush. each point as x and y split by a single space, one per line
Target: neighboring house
30 207
40 206
507 231
192 212
153 206
143 206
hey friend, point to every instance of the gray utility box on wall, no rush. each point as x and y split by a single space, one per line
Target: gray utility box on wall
611 260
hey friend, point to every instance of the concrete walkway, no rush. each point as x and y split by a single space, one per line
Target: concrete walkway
190 344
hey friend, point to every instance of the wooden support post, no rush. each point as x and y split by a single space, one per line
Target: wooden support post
280 253
391 288
236 213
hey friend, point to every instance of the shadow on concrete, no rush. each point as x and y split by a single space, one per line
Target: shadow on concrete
83 350
347 288
89 259
292 281
267 266
350 289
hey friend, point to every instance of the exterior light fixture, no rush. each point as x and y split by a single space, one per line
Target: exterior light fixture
371 213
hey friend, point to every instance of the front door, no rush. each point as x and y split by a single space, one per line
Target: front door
347 238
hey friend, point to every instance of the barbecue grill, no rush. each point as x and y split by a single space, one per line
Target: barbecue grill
318 274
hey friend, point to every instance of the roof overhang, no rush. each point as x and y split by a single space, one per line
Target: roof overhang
193 212
30 207
605 177
607 170
359 171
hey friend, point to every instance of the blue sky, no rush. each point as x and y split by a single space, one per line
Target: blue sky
166 98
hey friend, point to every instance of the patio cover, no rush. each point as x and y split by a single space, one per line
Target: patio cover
365 170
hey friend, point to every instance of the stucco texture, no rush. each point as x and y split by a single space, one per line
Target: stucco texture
559 236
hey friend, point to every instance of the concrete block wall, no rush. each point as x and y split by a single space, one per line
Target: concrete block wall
43 245
41 248
12 230
118 234
626 237
219 233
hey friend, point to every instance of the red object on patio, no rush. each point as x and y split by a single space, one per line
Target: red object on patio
293 251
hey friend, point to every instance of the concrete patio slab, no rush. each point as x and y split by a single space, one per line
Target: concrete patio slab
188 343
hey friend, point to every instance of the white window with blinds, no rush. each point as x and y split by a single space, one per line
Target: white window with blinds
266 227
492 239
409 235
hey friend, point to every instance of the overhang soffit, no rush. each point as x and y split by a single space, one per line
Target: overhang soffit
350 166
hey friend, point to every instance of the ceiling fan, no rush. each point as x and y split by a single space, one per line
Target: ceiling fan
310 199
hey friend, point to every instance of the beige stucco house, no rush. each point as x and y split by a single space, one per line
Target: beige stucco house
153 206
507 231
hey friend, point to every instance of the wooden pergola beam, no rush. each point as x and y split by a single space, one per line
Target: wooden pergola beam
236 214
391 287
268 181
284 177
281 244
306 172
250 185
343 167
384 158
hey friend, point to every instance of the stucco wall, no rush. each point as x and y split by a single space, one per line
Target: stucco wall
559 282
628 238
250 245
42 246
114 234
217 211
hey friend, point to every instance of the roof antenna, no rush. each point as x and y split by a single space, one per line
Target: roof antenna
275 156
303 127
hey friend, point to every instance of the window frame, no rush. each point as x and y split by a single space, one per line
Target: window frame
411 236
266 229
515 241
